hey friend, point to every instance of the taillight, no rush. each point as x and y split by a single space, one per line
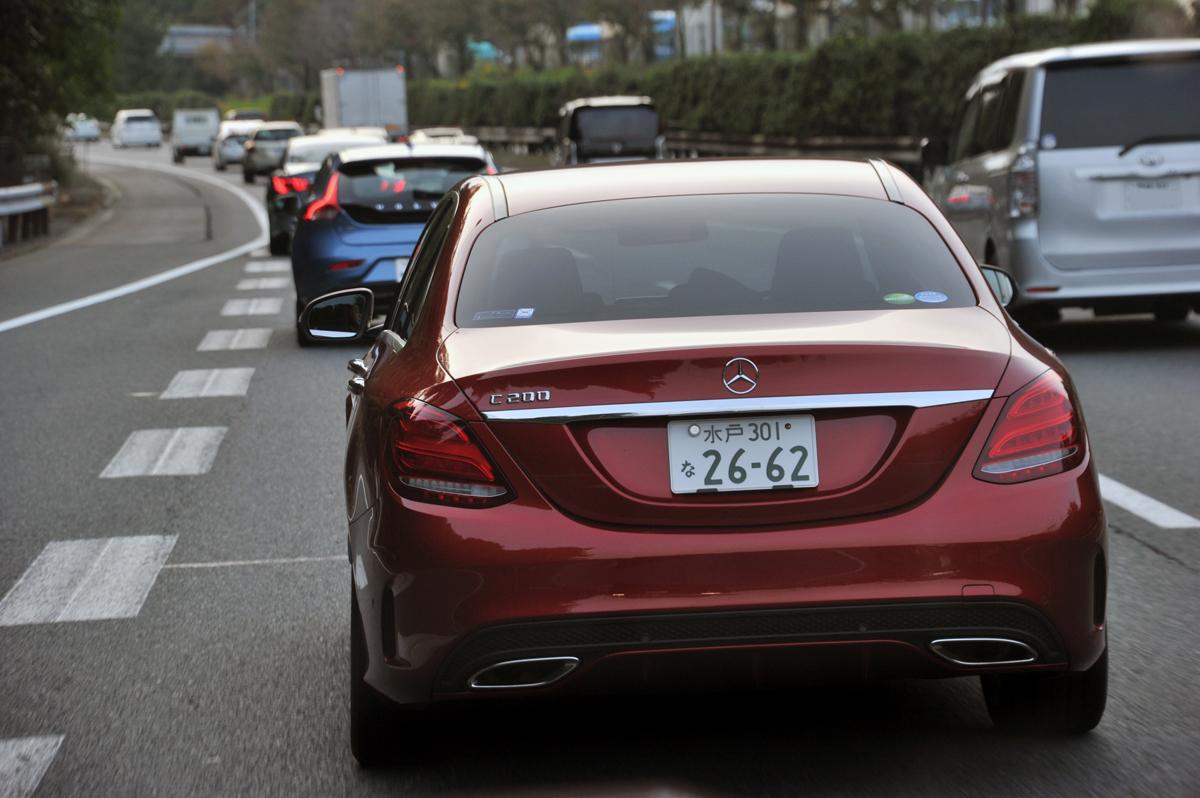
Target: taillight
342 265
286 185
1023 184
1038 434
433 457
279 184
325 207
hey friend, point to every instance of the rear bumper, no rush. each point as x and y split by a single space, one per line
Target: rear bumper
445 592
313 252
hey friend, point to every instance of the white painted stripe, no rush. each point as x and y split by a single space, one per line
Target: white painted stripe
241 563
263 283
1146 507
222 340
259 306
166 452
87 580
267 266
201 383
260 253
23 763
256 209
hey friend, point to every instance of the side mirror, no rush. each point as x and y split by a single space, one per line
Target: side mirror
1001 284
341 316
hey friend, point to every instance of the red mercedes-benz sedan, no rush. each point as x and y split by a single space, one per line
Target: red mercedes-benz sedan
712 422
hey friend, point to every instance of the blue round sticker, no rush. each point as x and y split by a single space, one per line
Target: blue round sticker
932 297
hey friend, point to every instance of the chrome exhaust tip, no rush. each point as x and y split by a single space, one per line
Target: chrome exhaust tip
983 651
522 673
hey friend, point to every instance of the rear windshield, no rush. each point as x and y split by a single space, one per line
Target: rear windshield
619 123
276 134
1118 103
401 185
707 256
129 120
198 119
314 152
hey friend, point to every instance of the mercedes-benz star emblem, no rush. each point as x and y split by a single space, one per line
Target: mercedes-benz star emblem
740 375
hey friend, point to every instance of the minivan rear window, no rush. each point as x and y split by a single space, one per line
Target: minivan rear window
712 255
1117 103
276 134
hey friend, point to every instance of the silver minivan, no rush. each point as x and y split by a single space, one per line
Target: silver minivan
1077 170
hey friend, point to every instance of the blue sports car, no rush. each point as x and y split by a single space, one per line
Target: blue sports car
365 211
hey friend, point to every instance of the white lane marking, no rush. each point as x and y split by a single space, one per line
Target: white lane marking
166 452
263 283
248 338
240 563
260 253
1146 507
23 763
256 210
202 383
259 306
267 266
87 580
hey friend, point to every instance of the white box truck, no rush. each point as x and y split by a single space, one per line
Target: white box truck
364 98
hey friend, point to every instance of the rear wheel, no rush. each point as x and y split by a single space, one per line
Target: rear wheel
1048 703
279 246
247 175
177 156
219 165
301 339
1171 313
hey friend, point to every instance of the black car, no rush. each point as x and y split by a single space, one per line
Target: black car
603 129
301 160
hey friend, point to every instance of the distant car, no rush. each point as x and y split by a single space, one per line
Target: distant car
291 181
707 425
607 129
244 115
265 148
441 135
229 147
193 131
81 127
366 208
136 127
1074 169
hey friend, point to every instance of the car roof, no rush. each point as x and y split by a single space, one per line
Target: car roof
432 150
273 125
132 111
341 138
536 190
602 102
1091 52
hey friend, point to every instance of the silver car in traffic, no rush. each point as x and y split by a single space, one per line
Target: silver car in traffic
265 148
1077 170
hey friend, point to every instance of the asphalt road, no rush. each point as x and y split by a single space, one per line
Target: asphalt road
220 666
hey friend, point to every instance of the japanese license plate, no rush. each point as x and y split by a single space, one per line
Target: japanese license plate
742 453
1153 195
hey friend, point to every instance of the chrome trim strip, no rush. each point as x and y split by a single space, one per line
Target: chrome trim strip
757 404
938 646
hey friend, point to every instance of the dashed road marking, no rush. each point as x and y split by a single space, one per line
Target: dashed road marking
23 763
202 383
183 451
87 580
248 338
267 266
263 283
245 563
1145 507
259 306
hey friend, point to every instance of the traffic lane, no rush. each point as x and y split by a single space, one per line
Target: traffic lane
1138 381
159 221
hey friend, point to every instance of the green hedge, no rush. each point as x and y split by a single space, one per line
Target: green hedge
891 85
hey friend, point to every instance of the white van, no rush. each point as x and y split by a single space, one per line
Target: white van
193 131
136 127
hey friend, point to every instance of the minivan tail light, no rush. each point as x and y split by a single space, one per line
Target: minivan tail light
325 207
1038 434
286 185
434 457
1023 184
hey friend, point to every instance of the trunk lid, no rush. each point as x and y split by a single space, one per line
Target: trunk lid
875 452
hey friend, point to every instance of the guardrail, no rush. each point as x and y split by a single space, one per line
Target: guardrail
25 210
904 151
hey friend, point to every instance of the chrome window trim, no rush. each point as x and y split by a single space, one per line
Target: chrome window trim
757 404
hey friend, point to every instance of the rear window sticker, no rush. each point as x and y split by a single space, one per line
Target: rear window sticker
899 298
524 313
492 315
931 297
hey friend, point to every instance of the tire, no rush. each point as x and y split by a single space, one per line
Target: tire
177 156
303 340
372 717
219 166
1171 313
1048 703
1028 315
280 245
247 176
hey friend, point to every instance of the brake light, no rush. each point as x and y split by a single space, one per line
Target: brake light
433 457
1038 434
286 185
325 207
342 265
1023 184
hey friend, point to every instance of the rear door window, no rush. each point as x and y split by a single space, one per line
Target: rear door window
707 256
1117 103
